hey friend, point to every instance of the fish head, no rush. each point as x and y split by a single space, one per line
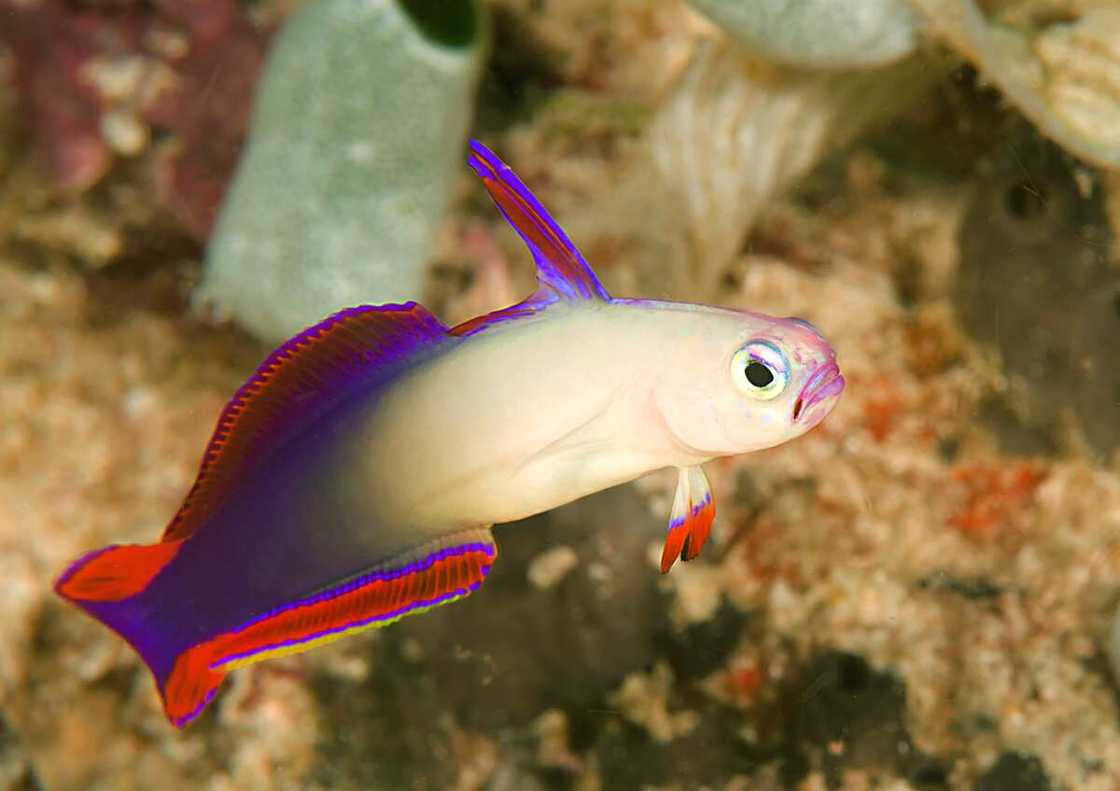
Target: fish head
752 381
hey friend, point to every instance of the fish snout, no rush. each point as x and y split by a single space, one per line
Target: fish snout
818 394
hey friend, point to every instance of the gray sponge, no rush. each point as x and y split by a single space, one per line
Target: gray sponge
356 142
819 33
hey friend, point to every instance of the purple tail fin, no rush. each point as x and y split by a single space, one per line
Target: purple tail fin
111 584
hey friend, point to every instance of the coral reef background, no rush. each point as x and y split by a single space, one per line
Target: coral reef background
918 594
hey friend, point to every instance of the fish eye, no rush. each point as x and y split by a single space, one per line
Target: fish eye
758 374
759 370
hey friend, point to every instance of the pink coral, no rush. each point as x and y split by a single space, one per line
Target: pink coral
195 67
50 45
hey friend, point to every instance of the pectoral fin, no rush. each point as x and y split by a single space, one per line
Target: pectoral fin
691 519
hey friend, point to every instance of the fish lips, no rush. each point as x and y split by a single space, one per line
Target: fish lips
818 394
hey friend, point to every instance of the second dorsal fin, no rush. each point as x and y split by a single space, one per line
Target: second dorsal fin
560 267
355 349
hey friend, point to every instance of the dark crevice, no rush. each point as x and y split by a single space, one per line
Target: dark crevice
449 23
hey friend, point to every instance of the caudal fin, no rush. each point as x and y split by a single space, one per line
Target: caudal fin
111 584
115 572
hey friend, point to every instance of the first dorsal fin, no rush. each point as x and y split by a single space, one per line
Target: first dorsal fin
302 379
560 267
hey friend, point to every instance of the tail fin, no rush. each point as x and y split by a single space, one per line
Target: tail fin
114 572
111 584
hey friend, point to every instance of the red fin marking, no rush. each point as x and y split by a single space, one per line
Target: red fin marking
298 382
523 217
191 685
519 311
375 599
674 542
701 528
354 604
690 522
116 572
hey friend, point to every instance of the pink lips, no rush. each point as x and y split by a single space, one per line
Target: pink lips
826 383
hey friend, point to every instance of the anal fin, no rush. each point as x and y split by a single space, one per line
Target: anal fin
436 573
690 522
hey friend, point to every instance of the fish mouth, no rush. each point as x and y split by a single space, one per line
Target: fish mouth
825 384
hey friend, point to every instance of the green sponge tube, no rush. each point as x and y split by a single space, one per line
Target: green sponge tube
356 142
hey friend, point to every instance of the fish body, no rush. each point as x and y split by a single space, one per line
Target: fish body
353 479
572 401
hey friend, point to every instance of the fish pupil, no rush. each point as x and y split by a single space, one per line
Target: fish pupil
758 374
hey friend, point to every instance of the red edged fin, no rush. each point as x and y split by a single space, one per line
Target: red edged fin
301 380
192 684
674 542
439 573
700 528
521 310
560 266
690 522
116 572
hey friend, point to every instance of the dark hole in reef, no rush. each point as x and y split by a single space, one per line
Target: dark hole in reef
839 697
852 673
1025 201
1116 304
930 774
908 280
450 23
949 448
1015 772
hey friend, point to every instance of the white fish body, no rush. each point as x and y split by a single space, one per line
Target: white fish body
535 413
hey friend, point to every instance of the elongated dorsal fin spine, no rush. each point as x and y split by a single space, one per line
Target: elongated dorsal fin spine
560 266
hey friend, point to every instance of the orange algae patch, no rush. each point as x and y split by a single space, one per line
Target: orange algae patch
881 410
993 494
742 683
762 554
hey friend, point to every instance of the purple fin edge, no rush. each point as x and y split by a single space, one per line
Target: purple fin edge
486 164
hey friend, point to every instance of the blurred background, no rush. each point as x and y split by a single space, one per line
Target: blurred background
920 594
